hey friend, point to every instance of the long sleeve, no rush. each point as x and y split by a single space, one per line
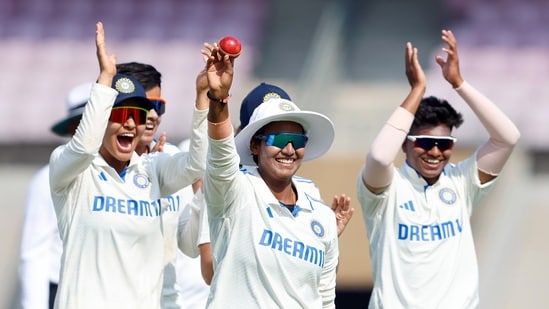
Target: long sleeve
41 246
379 161
503 133
68 161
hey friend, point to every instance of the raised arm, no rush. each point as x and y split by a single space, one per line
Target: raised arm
219 68
107 63
378 170
68 161
504 135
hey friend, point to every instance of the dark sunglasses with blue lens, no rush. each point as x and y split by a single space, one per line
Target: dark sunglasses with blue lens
159 105
280 140
427 142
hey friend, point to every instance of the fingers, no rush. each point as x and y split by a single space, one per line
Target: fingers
107 63
343 212
100 39
449 38
159 147
408 55
440 61
341 203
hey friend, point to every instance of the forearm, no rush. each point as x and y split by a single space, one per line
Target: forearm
219 122
221 175
73 158
504 135
385 148
500 128
198 146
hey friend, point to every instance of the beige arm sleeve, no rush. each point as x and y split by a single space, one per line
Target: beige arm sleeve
378 171
504 135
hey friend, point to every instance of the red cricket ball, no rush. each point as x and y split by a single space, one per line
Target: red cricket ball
230 46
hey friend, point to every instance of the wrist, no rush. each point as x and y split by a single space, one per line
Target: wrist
456 84
212 97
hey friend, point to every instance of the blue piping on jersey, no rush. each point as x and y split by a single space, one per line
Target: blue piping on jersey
123 173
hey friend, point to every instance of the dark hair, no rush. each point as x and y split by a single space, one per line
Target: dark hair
433 111
146 74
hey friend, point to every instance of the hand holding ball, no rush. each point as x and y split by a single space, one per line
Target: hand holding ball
230 46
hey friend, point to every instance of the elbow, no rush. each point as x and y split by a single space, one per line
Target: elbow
509 140
207 278
375 158
206 263
515 138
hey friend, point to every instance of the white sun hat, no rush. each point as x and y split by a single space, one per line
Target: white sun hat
318 128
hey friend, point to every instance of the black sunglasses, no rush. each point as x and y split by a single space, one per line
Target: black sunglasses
427 142
159 105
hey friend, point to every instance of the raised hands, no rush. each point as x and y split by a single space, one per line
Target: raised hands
450 66
107 63
414 72
219 70
202 101
159 146
343 212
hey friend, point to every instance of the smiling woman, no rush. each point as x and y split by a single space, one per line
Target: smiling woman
422 209
106 197
126 122
274 244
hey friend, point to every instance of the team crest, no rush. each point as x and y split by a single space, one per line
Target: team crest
124 85
270 95
447 195
141 181
285 106
317 228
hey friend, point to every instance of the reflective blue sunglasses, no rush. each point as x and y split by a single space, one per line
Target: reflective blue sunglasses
427 142
159 105
280 140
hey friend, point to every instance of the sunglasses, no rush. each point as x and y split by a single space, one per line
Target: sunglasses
427 142
280 140
159 105
122 113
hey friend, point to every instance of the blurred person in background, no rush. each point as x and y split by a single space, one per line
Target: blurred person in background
183 286
273 245
418 216
106 196
41 246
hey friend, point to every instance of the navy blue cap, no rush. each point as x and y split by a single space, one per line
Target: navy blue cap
130 92
260 94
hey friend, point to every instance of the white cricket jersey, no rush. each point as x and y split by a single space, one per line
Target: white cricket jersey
183 285
265 256
421 244
113 246
41 245
204 230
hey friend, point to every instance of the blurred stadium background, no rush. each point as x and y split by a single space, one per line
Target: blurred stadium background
342 58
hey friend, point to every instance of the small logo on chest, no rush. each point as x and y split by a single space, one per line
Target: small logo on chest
317 228
448 196
141 181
